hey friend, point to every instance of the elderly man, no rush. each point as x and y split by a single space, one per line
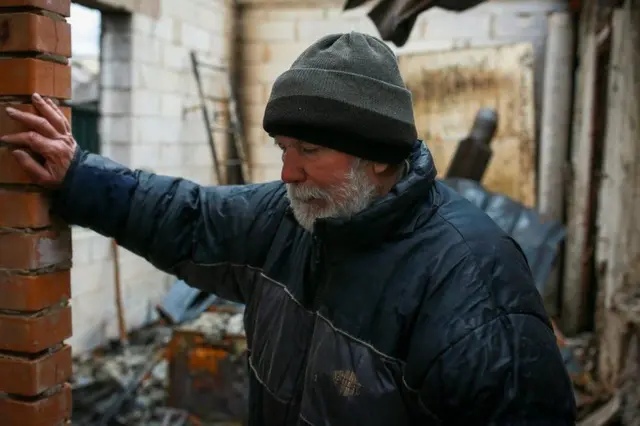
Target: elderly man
374 294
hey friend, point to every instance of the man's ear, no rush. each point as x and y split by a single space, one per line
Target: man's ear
380 168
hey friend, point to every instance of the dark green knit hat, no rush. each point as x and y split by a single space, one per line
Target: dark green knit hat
345 92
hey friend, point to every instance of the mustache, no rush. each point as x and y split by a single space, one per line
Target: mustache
299 192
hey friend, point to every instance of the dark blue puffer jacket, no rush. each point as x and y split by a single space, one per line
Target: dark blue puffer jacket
417 311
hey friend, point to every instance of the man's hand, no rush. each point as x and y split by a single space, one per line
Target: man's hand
49 137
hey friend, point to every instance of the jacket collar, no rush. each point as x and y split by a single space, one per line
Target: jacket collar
390 216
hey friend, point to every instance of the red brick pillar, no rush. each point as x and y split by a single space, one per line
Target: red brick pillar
35 249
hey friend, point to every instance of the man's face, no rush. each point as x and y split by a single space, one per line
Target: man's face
322 182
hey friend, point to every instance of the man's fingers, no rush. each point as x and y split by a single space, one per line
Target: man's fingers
31 166
32 140
65 121
33 121
51 112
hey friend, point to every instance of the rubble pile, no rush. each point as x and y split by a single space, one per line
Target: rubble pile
123 385
579 354
185 370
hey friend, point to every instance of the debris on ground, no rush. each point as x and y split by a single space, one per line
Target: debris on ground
188 370
208 367
579 354
116 386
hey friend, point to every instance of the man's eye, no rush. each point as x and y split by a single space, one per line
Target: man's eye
309 150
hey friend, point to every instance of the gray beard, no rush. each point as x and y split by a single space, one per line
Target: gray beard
344 201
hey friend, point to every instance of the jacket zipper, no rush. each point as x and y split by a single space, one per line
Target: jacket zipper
317 278
319 274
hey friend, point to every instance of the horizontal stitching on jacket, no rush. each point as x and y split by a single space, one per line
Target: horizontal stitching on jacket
292 297
286 290
409 388
333 327
304 419
368 345
264 385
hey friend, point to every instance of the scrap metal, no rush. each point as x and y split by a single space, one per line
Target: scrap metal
188 374
208 373
472 157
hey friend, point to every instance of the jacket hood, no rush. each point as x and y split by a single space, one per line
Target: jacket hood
391 215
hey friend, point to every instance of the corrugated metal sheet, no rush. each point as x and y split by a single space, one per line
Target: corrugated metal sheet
448 89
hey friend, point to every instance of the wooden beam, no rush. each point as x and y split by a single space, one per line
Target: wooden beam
573 297
618 251
554 131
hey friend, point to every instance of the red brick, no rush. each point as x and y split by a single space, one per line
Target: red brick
36 332
29 32
19 209
9 125
10 170
31 377
42 321
52 410
61 7
25 76
34 292
26 251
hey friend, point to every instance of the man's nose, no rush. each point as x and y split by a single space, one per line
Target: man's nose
292 167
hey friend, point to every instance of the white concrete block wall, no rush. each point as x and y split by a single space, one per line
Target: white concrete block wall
150 119
273 35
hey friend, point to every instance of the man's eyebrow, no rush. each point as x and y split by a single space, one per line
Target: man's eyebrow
290 144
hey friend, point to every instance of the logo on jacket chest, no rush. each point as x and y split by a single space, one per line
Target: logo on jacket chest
346 383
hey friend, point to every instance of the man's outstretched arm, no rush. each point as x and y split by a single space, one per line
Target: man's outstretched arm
172 222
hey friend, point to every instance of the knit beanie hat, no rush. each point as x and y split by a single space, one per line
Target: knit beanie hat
345 92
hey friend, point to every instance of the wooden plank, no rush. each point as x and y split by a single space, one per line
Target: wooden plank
613 188
449 87
604 414
554 133
573 303
556 117
619 232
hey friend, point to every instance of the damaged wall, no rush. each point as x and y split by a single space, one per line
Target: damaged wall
149 119
275 32
448 90
617 251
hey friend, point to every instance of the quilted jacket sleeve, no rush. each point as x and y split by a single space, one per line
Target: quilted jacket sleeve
496 360
171 221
